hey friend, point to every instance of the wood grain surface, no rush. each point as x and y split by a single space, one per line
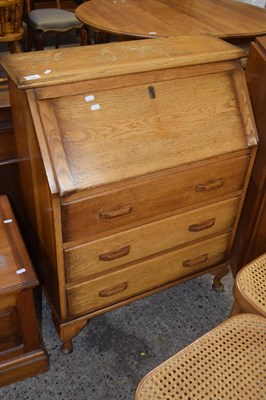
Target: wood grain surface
163 18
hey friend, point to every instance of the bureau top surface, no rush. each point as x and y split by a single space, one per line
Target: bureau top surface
16 271
53 67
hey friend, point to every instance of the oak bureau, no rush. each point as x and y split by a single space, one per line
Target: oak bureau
134 161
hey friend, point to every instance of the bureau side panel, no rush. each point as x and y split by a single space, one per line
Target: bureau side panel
248 244
36 197
256 81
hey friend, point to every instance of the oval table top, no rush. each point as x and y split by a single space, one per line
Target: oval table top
163 18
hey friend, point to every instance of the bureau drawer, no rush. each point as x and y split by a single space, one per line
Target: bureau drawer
103 254
152 197
125 283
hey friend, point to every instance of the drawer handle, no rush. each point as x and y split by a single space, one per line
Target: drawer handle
195 261
113 255
210 185
121 210
204 225
115 290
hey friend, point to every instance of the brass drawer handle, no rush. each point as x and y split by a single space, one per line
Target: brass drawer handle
119 211
204 225
113 255
115 290
210 185
195 261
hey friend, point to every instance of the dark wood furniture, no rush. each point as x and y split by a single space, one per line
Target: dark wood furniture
9 180
134 165
21 354
226 19
250 238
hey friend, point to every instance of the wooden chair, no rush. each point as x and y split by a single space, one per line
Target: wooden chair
11 30
43 20
250 288
226 363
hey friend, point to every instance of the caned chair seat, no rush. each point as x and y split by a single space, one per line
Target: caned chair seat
250 288
227 363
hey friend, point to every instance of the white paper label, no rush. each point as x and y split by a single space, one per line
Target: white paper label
95 107
89 98
20 271
7 221
32 77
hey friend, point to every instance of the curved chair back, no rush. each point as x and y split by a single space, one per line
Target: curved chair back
250 288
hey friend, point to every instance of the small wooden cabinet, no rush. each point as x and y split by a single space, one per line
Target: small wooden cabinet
134 163
250 240
21 353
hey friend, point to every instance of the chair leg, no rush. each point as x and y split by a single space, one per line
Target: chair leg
30 38
83 36
39 40
57 39
100 37
15 47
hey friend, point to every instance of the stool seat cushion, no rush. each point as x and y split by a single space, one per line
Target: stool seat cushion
226 363
49 18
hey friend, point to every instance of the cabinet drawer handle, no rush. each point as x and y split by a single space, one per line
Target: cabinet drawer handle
210 185
204 225
195 261
112 255
115 290
119 211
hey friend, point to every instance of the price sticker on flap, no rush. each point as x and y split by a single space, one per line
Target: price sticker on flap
89 98
95 107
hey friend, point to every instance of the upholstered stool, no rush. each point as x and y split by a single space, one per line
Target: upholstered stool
42 21
250 288
226 363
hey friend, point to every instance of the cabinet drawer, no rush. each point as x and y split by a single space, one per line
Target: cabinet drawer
9 329
125 283
103 254
152 197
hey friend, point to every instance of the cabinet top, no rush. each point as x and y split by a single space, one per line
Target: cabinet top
16 272
54 67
